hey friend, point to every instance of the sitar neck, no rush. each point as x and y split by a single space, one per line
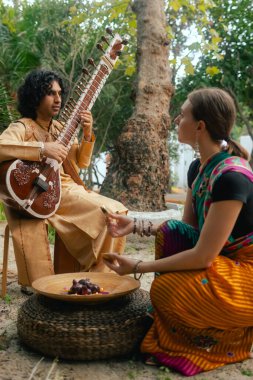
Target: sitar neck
88 92
85 102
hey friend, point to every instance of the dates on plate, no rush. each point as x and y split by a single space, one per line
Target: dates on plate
84 287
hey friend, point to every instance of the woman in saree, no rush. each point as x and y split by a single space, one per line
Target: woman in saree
202 294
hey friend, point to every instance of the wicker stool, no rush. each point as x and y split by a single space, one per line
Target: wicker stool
84 332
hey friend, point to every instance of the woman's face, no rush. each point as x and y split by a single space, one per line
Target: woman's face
187 125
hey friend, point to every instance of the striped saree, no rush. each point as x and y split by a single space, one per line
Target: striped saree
203 319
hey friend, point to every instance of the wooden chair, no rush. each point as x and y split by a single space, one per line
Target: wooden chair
63 261
5 260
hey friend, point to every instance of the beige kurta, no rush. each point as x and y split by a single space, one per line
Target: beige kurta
79 220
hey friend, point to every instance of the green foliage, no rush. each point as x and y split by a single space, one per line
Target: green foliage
131 375
234 22
189 17
230 65
116 98
164 373
7 299
4 100
7 109
51 234
2 215
247 372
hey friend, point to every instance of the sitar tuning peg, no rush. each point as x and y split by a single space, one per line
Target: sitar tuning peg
91 62
109 31
72 100
125 42
85 71
104 39
78 91
100 47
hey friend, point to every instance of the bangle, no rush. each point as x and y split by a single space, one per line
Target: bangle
42 148
134 228
136 269
149 231
143 228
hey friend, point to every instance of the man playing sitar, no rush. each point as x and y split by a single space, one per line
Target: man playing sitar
78 218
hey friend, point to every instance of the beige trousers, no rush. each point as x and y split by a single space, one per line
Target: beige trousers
32 251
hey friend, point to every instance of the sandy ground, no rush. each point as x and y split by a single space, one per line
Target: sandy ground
17 362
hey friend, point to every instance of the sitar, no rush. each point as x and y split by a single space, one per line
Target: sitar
34 188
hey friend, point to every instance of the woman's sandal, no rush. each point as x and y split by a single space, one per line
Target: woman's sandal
151 360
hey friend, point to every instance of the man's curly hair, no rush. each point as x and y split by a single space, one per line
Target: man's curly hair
37 84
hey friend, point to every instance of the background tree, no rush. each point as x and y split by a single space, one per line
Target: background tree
7 108
138 173
229 66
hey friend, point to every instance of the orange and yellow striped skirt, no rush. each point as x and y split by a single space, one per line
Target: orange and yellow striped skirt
203 319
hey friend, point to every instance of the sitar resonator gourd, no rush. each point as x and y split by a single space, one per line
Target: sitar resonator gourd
34 188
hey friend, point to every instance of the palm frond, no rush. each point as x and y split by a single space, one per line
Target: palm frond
7 108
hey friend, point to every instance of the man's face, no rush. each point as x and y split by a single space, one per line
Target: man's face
50 105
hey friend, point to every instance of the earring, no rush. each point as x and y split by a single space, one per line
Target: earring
196 150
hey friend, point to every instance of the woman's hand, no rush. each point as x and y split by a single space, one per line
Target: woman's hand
120 264
55 150
86 122
119 225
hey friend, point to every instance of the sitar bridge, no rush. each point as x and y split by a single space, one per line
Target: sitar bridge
41 183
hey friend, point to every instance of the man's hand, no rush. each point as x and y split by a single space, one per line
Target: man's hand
55 150
86 122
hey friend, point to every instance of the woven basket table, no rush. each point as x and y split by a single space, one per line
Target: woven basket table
84 332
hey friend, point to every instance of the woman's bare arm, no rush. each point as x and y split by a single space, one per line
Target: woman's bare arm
218 226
